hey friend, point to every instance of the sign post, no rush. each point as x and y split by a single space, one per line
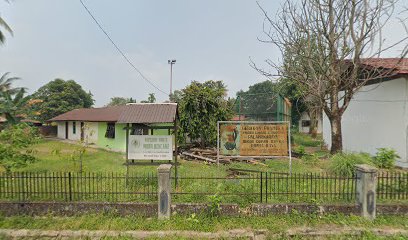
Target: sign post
254 139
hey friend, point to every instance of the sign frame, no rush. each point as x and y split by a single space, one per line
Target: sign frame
256 122
168 152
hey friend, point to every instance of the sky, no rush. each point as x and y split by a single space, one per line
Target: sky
210 40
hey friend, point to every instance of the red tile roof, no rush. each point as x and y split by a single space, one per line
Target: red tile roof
399 65
132 113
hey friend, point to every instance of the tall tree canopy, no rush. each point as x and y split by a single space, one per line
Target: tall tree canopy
60 96
323 44
119 101
201 105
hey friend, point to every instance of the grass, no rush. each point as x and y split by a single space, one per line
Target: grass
306 140
99 160
273 223
232 189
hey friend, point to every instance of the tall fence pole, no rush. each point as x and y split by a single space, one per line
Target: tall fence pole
366 190
164 191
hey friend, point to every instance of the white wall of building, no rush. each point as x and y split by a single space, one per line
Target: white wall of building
77 135
376 117
61 130
91 132
305 117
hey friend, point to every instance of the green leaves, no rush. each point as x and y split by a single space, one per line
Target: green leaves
201 105
60 96
15 142
385 158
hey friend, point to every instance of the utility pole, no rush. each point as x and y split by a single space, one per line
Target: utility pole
171 62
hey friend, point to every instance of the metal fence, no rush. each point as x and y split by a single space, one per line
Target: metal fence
71 186
242 187
392 186
264 187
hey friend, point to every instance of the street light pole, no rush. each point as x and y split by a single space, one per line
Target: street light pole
171 62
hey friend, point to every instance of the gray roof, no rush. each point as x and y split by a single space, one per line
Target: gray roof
149 113
131 113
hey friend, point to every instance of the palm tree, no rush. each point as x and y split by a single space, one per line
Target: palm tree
12 104
6 82
6 27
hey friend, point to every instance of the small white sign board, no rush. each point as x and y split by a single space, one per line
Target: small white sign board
150 147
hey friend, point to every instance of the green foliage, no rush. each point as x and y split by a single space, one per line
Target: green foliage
15 143
14 105
201 106
385 158
176 96
300 150
345 163
60 96
150 99
258 102
310 159
120 101
215 205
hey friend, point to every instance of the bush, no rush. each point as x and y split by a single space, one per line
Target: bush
345 163
15 142
310 159
300 150
385 158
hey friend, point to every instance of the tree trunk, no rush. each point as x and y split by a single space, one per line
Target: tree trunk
336 135
314 121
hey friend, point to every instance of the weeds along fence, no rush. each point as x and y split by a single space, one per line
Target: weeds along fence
266 187
71 186
392 186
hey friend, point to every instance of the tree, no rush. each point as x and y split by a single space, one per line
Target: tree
6 27
150 99
259 102
12 105
326 43
175 96
6 84
60 96
201 106
119 101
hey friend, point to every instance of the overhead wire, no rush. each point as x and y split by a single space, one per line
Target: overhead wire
120 51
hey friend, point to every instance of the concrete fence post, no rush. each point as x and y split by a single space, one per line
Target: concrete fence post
164 190
366 190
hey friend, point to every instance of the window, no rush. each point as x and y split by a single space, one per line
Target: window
110 130
138 130
74 127
305 123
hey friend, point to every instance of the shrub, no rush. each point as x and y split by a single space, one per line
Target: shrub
310 159
385 158
215 205
300 150
345 163
15 142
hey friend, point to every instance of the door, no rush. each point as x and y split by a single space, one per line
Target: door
66 130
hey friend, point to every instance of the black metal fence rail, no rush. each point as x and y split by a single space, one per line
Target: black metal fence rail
267 187
392 186
71 186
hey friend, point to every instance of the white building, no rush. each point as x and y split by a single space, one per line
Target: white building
377 115
304 123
